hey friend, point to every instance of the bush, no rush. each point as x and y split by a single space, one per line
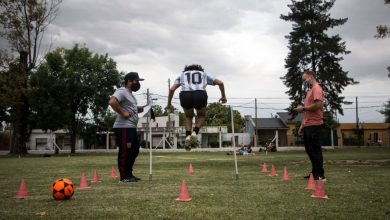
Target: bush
5 140
226 143
193 142
214 144
143 144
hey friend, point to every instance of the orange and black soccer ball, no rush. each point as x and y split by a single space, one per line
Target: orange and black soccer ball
62 189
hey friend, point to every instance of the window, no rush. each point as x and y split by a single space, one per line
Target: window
40 143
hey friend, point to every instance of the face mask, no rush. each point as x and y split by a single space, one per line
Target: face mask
135 87
307 84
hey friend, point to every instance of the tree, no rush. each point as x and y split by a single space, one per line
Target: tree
89 129
159 111
311 48
386 111
8 67
217 115
48 105
73 86
23 25
383 31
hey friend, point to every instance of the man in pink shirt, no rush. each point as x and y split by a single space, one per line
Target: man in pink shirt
311 125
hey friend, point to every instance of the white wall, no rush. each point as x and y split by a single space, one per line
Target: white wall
243 138
160 121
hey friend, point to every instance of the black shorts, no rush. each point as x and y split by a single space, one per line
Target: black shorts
193 99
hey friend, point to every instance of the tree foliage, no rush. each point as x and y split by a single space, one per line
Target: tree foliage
386 111
218 115
383 31
8 89
159 111
72 88
312 49
23 23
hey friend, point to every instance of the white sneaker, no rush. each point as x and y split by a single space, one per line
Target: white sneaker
193 134
188 137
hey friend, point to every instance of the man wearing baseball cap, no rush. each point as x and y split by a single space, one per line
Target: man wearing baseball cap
124 104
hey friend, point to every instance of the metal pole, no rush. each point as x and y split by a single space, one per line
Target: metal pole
255 140
357 113
331 137
220 137
234 142
149 119
107 140
169 112
277 140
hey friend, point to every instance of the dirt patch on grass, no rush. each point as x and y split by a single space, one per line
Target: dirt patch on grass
297 163
346 162
358 162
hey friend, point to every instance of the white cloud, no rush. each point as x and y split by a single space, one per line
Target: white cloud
240 42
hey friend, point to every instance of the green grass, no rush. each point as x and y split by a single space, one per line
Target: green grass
358 187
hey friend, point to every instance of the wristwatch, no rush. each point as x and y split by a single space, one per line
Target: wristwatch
303 109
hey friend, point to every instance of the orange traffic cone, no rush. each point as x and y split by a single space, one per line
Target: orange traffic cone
95 177
190 169
273 171
113 173
264 169
319 193
310 183
83 182
184 197
285 174
22 193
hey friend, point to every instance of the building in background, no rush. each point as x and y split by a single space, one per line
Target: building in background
167 134
48 140
367 134
267 129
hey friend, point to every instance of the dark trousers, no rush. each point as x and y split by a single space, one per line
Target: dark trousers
126 154
311 138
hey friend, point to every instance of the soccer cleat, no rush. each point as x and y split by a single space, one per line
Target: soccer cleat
193 134
136 178
188 137
129 180
321 177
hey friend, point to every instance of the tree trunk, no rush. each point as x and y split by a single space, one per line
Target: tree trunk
73 143
21 111
73 136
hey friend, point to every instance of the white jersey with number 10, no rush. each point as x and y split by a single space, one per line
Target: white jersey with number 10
194 80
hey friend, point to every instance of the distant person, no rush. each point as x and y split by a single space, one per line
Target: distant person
271 146
193 81
311 126
124 104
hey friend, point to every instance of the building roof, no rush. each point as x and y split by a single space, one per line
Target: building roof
286 117
270 123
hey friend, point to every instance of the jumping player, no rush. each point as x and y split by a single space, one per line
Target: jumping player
193 81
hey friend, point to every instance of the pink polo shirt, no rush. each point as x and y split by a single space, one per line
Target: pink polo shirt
313 117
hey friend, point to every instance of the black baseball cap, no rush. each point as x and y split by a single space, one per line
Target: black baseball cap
132 76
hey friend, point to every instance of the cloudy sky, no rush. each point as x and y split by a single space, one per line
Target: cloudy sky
240 42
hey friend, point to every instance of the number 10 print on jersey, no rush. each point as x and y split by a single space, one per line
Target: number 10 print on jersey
194 80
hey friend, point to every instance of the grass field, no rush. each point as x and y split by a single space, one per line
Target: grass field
358 187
